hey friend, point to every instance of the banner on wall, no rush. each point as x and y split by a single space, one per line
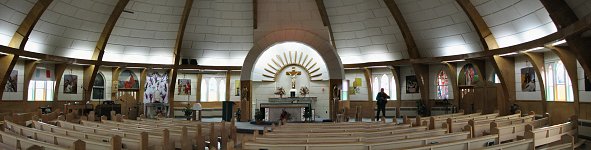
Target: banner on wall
11 82
528 79
184 87
412 86
44 75
156 88
70 84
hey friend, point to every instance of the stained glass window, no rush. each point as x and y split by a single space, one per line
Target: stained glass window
558 83
386 82
442 85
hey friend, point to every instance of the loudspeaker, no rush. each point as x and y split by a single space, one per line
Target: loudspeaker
193 62
184 61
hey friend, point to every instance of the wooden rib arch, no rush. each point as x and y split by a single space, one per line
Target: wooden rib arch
19 40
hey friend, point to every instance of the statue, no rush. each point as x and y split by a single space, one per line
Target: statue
293 73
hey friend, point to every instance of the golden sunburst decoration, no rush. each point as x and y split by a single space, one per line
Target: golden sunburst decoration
280 63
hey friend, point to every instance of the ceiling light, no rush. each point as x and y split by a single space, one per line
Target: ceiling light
454 60
508 54
559 42
25 57
533 49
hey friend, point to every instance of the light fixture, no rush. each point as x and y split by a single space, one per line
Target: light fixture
454 60
2 53
25 57
559 42
508 54
533 49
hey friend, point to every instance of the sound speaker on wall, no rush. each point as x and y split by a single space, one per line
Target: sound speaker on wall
184 61
193 62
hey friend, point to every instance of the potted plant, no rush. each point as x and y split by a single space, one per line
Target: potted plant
280 91
259 116
304 91
188 112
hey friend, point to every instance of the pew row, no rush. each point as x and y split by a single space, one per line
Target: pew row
371 139
547 135
399 144
18 142
48 137
127 143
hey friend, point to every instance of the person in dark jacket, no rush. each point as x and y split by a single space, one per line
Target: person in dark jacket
382 99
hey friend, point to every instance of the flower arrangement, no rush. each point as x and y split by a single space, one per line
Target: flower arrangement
280 91
304 91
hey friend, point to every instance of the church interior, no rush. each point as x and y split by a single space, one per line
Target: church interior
295 74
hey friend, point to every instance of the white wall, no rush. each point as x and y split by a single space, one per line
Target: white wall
18 95
73 70
522 62
407 71
351 74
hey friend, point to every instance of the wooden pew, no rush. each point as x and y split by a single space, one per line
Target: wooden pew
337 129
127 143
482 127
566 143
152 139
469 144
58 139
347 134
373 139
17 142
434 122
509 132
553 133
542 122
399 144
525 144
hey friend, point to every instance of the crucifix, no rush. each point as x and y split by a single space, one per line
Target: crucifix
293 73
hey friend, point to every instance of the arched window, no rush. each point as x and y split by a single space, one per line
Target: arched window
393 89
98 88
222 90
385 83
375 87
212 93
442 85
204 90
558 83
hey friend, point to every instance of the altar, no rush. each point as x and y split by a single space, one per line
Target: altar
273 111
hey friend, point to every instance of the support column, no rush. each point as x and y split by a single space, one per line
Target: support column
228 89
422 74
245 100
171 91
569 60
59 73
335 87
452 76
115 85
537 61
505 67
30 67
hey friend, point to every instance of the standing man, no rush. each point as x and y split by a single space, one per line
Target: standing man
382 100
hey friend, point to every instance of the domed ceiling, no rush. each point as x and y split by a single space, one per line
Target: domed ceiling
222 32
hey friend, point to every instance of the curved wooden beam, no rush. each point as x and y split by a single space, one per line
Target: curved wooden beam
569 60
91 71
452 68
19 40
537 61
325 20
421 70
489 42
177 53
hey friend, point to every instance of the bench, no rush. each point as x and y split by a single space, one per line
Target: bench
469 144
553 133
17 142
373 139
48 137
